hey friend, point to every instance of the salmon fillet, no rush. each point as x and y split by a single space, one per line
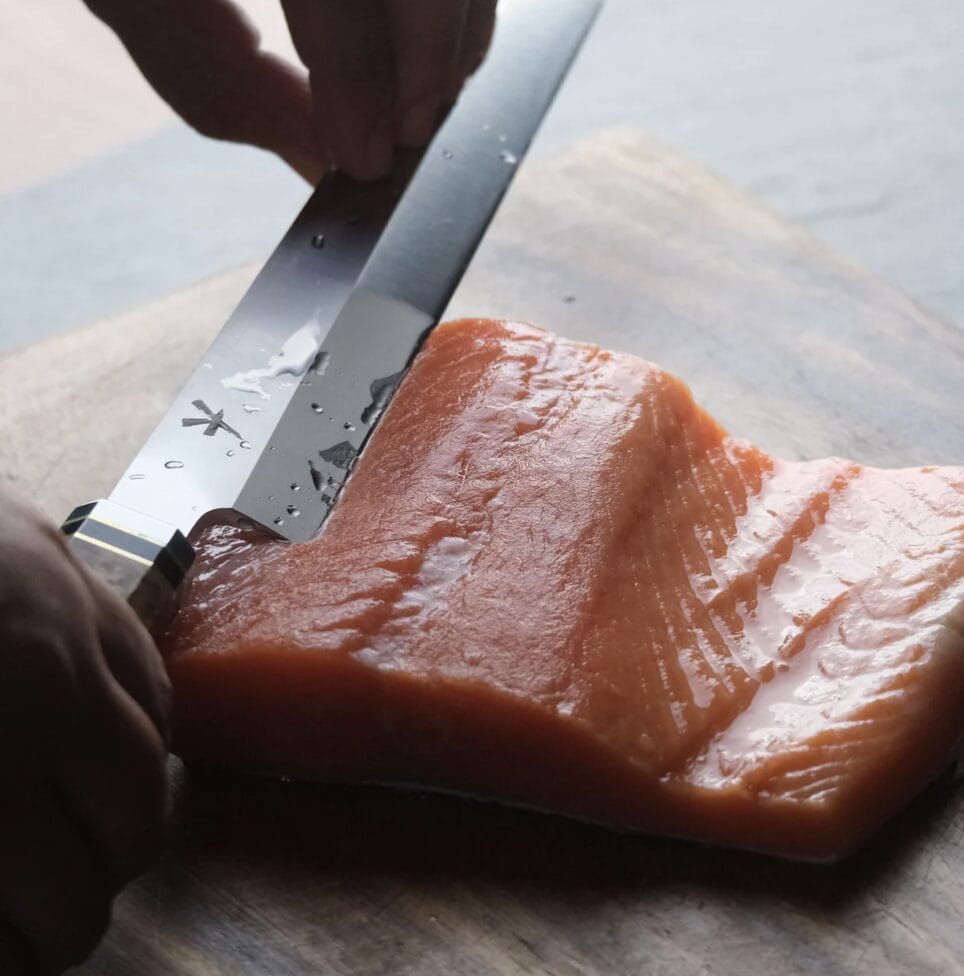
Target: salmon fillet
554 580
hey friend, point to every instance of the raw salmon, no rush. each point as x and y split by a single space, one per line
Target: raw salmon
554 580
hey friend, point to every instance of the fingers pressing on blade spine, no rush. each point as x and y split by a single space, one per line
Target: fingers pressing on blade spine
380 72
347 48
203 59
427 38
477 38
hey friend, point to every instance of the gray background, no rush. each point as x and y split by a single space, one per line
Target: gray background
845 114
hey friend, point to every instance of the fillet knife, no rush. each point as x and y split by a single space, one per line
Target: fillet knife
268 427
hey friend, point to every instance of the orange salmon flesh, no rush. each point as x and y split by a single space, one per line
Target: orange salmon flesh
555 581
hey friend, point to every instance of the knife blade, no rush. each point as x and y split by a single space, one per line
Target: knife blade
270 424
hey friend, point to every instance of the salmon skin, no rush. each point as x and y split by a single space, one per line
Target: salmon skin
554 580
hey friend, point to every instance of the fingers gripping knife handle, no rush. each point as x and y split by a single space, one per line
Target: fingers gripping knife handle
142 559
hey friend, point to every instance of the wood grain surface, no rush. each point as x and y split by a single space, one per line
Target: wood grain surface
629 244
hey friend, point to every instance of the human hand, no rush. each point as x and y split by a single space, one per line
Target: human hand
380 72
84 709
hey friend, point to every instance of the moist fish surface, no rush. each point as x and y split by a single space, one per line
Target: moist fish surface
554 580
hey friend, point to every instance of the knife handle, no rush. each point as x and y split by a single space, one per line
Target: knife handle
144 560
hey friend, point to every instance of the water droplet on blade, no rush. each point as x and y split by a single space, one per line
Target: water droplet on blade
293 511
510 159
173 465
278 520
250 408
348 425
448 154
318 241
230 453
296 487
318 408
245 445
137 477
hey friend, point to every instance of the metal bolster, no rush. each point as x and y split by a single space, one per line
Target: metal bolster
142 559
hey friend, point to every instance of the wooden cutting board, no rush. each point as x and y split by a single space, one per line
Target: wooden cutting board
629 244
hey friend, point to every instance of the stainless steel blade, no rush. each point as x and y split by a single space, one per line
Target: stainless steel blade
273 419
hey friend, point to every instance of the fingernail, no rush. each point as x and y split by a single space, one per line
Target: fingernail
419 123
381 149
